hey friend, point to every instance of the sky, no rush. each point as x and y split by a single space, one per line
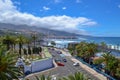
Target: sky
86 17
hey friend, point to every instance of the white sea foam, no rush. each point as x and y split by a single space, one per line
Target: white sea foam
111 46
64 41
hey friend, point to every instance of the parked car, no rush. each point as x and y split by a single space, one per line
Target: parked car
60 64
59 52
53 55
57 60
76 64
65 60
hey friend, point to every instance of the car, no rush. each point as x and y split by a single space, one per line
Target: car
60 64
53 55
57 60
64 60
76 64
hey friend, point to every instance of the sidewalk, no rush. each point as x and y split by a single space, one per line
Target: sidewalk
92 71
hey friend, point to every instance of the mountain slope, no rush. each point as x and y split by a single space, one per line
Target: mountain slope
25 28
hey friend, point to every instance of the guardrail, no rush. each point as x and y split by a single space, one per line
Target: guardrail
93 67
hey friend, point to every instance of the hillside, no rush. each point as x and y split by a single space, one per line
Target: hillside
24 29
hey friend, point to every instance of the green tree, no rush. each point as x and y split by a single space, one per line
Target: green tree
81 48
43 77
29 50
86 50
34 38
71 48
7 40
28 41
8 71
103 46
14 42
20 40
76 76
40 49
111 63
25 51
118 70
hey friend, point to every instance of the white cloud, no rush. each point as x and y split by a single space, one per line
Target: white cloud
64 8
10 14
118 6
7 5
46 8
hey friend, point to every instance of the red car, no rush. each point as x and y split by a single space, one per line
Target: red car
60 64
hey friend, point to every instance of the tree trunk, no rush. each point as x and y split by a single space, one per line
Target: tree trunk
20 47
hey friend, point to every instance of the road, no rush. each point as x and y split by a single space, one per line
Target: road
68 69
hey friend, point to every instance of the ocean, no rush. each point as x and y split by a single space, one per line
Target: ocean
113 41
107 40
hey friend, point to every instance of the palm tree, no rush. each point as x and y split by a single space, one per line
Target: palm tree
1 39
86 50
14 42
91 50
110 62
7 40
42 77
20 40
28 41
34 37
76 76
103 46
118 70
81 48
8 71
